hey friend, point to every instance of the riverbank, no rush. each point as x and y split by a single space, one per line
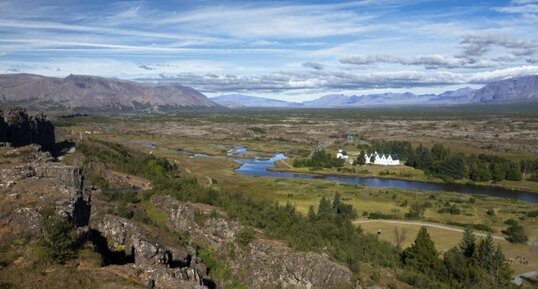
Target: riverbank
403 173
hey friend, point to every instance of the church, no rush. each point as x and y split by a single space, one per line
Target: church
382 159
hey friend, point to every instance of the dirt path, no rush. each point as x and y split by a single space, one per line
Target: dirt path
423 224
518 279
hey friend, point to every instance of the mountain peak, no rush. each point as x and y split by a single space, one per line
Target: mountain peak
96 93
514 89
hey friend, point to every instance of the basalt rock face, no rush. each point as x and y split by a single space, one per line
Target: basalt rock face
161 267
260 264
20 129
35 184
3 128
28 189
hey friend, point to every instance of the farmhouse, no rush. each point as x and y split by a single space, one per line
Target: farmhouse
342 154
382 159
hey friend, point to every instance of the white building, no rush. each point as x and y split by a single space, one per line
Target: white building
342 154
382 159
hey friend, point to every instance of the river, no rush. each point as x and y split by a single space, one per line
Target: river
259 167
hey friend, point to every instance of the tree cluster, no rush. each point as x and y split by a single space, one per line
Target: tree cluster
441 162
319 159
402 148
473 264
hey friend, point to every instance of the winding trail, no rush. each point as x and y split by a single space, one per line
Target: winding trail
424 224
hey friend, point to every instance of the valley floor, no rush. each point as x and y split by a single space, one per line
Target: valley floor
178 138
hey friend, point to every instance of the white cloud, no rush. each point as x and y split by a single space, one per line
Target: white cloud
498 74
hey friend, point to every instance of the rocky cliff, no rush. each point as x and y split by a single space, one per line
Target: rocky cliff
260 264
157 266
20 129
34 184
96 93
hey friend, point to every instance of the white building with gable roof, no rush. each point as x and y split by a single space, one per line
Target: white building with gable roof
382 159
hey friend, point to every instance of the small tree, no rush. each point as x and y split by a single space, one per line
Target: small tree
325 207
58 238
422 255
467 245
485 253
501 272
311 214
361 159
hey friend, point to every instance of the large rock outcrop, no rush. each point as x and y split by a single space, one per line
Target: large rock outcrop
3 128
28 189
161 267
260 264
20 129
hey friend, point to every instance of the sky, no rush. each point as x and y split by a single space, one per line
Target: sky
290 50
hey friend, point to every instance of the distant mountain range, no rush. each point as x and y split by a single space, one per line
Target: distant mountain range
96 93
238 100
510 90
80 92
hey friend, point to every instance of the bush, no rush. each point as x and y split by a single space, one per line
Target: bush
516 233
381 216
58 239
478 227
416 211
454 210
244 236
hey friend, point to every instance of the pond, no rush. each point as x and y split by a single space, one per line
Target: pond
259 167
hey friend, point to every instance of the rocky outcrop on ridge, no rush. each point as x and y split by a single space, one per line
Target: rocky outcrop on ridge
260 264
161 267
20 129
28 189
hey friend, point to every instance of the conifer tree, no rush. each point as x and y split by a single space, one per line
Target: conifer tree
485 253
361 159
501 272
325 207
422 255
311 214
468 243
337 202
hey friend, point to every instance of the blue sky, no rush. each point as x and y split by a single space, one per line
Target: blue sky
292 50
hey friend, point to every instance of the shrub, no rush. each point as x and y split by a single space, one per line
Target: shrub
416 211
382 216
244 236
516 233
58 238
